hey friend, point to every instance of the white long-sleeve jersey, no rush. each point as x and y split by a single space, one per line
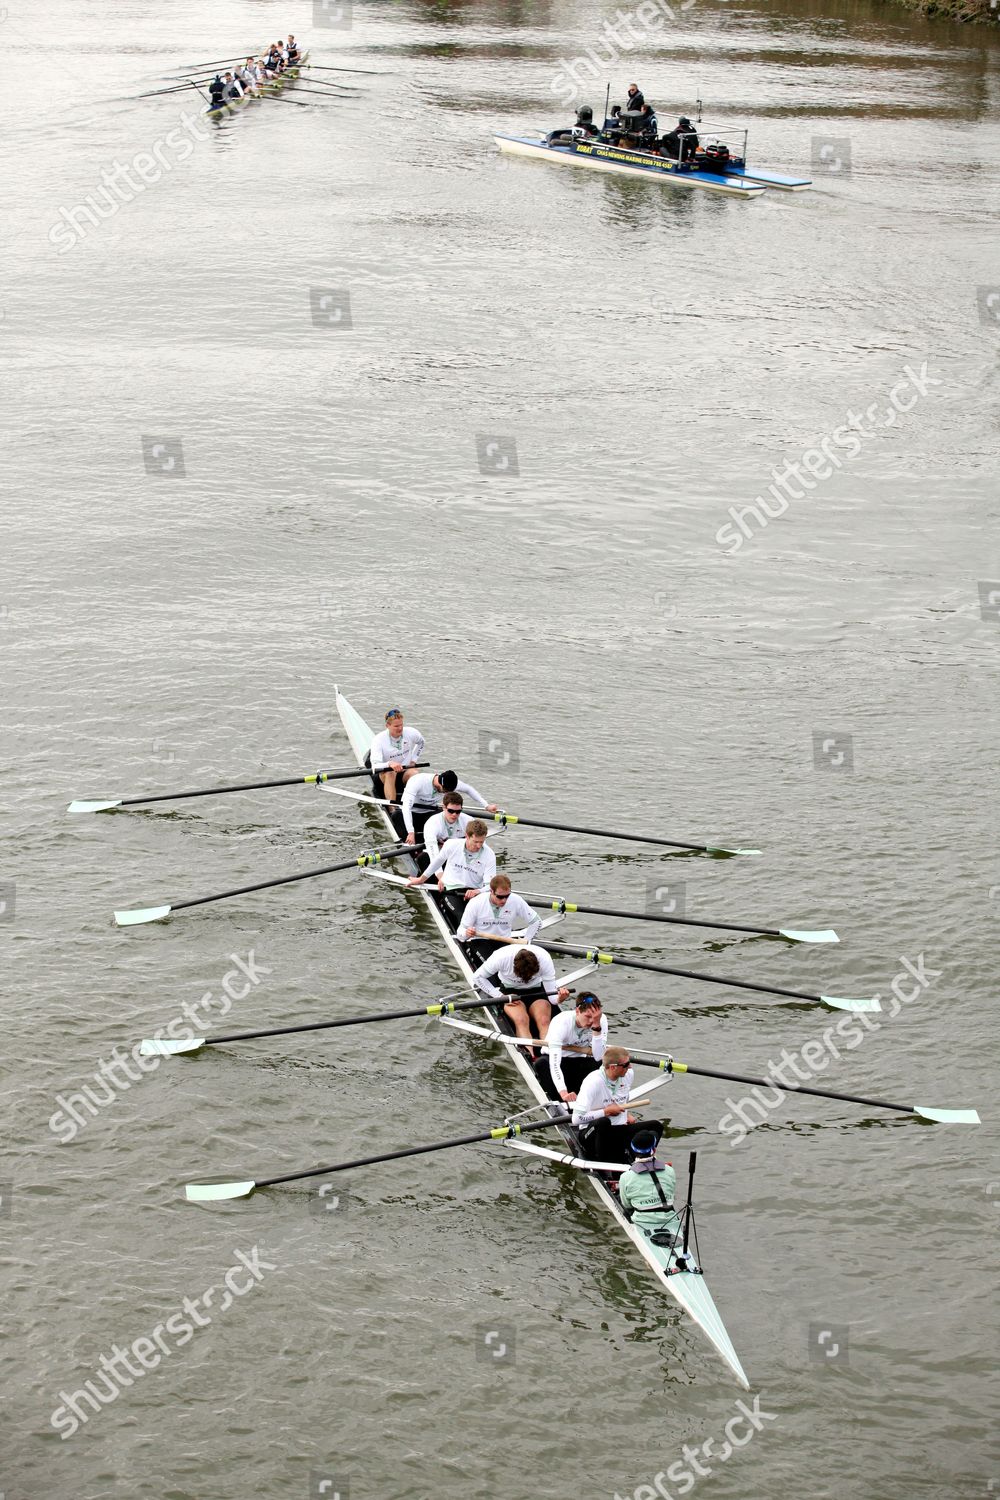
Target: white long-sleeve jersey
597 1091
564 1032
500 965
437 831
422 789
463 869
501 921
407 749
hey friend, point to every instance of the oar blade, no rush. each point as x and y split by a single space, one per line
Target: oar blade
795 936
719 849
142 914
92 807
839 1003
162 1047
217 1192
947 1116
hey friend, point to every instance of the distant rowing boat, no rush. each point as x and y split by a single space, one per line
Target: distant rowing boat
738 180
275 86
686 1286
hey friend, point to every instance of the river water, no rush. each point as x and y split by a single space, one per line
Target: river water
345 396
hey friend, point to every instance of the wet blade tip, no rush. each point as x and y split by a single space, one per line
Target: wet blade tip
217 1192
857 1005
947 1116
795 936
91 807
143 914
160 1047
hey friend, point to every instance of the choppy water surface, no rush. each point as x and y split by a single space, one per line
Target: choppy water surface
469 433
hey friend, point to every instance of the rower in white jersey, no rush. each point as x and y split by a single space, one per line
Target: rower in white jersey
394 754
522 968
450 823
423 792
575 1045
467 865
601 1107
497 913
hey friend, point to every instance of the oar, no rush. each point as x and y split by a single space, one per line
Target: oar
793 934
200 91
607 833
179 88
938 1116
596 956
213 1192
371 72
315 779
219 62
446 1006
157 913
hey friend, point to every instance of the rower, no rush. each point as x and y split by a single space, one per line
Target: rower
601 1107
646 1189
292 49
497 913
466 864
528 969
393 753
428 790
233 88
450 823
575 1045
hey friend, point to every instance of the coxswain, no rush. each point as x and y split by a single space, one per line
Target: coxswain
646 1189
601 1107
427 790
467 866
217 93
450 823
526 968
575 1045
393 753
497 913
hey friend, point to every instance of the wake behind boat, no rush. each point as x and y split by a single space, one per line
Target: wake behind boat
629 144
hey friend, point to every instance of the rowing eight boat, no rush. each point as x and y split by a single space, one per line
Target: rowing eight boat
686 1286
275 86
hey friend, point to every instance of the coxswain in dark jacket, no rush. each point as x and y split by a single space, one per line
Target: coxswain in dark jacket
217 92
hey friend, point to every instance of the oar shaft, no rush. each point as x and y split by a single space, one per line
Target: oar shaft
263 885
607 833
636 963
648 916
316 778
499 1133
443 1005
770 1083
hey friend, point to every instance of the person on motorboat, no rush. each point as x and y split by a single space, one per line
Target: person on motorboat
680 143
582 128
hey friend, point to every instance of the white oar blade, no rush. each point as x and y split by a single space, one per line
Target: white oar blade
89 807
840 1004
826 936
217 1192
160 1047
718 849
948 1116
145 914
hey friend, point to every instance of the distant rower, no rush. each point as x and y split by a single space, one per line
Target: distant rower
496 913
393 753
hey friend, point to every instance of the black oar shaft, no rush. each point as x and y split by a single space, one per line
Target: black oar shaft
648 916
440 1007
263 885
316 778
770 1083
606 833
499 1133
599 956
